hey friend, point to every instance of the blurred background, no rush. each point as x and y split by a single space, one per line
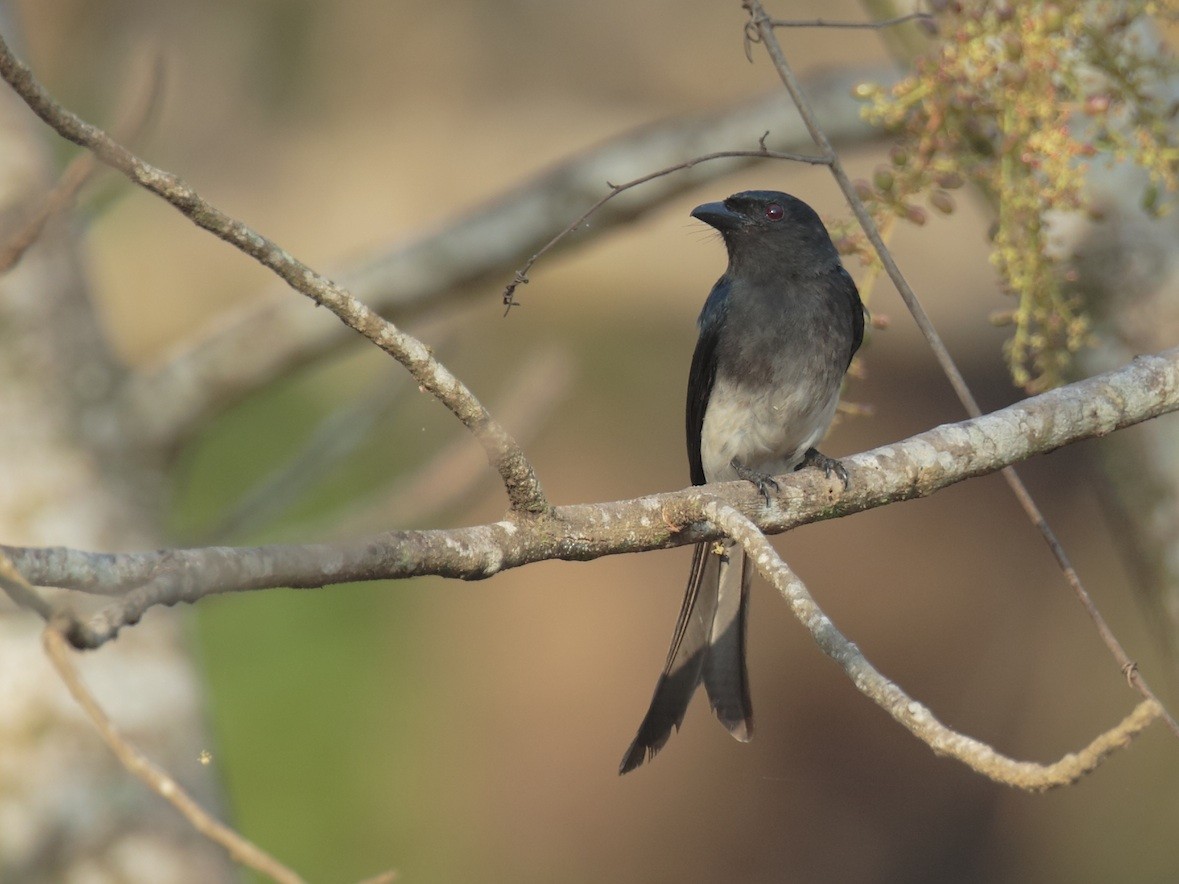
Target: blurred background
471 732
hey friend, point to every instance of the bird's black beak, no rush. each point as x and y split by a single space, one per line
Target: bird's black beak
718 215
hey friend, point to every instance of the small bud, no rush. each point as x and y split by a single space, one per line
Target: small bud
899 156
883 180
950 180
942 201
865 91
915 215
1001 318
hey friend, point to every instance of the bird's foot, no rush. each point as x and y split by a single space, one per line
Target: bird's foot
829 465
763 482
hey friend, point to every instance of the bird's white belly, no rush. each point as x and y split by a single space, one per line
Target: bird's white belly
768 429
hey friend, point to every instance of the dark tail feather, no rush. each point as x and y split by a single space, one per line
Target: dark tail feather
685 661
725 676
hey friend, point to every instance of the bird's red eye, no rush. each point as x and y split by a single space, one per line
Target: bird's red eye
775 212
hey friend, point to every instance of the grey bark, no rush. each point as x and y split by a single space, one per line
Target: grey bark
67 470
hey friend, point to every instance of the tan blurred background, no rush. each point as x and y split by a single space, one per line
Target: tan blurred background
471 732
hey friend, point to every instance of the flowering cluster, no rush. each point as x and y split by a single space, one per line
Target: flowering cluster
1019 98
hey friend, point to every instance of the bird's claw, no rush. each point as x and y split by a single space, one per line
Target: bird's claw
763 482
829 465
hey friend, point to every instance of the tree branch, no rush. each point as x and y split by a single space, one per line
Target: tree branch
914 716
916 467
854 25
503 453
157 779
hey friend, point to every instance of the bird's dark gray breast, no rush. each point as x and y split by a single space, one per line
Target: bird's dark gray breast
780 364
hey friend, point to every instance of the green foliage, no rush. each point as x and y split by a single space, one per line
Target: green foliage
1019 98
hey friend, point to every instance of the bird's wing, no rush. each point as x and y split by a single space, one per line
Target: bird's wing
703 373
847 288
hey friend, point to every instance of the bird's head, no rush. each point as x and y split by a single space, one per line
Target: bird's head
771 227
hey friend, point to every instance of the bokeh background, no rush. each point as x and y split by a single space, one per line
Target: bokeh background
471 732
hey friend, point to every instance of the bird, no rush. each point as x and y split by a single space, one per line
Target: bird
776 336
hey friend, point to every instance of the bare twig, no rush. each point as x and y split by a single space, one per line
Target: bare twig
760 29
918 719
521 277
520 481
917 467
82 167
329 443
382 878
525 405
859 25
333 439
155 778
416 496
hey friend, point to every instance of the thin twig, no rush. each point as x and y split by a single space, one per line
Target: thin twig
82 167
155 778
519 478
446 478
760 29
918 719
521 277
334 439
864 25
524 403
383 878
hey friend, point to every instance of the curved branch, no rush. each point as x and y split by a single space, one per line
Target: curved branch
916 467
505 455
154 777
914 716
762 153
